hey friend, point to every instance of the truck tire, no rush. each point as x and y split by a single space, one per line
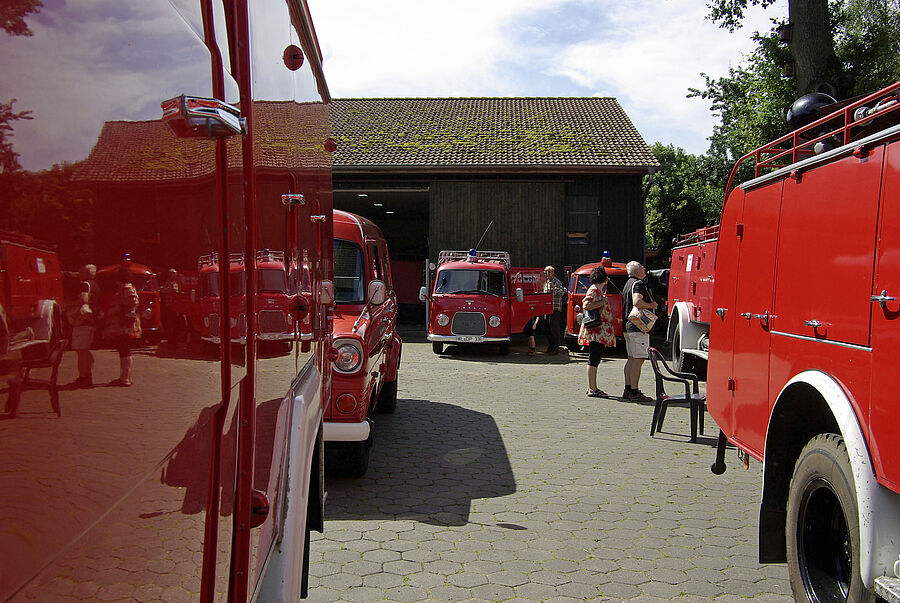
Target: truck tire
822 534
681 362
437 347
387 399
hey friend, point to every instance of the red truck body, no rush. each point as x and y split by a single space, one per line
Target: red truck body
690 296
476 297
31 292
579 283
365 371
803 346
161 131
275 294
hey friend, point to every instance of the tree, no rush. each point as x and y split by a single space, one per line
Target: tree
685 195
813 60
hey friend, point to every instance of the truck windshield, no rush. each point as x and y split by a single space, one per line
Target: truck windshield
492 282
583 283
348 272
272 280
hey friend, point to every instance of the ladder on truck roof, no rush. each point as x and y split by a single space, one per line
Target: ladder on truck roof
480 256
700 235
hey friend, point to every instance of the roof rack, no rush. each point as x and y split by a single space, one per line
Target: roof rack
842 126
480 256
263 255
698 236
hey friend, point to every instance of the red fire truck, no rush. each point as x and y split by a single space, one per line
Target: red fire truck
691 280
476 297
197 478
274 298
580 282
31 292
368 346
803 345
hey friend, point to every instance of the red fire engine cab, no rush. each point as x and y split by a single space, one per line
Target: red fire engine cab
274 297
366 341
160 130
803 346
476 297
580 282
691 280
31 293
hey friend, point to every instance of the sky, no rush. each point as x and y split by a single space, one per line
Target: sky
645 53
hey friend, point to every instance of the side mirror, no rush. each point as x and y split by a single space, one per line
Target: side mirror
423 294
520 295
376 292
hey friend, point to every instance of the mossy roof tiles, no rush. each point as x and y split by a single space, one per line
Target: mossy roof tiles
486 134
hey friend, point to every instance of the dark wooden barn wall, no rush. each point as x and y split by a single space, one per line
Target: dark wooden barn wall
611 210
529 219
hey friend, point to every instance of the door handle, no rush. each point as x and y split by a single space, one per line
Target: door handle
882 299
814 323
746 315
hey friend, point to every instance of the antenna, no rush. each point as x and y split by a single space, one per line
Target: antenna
484 233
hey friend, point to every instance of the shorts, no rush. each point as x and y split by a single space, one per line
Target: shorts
83 337
636 344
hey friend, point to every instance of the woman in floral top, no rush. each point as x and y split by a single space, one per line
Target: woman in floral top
599 336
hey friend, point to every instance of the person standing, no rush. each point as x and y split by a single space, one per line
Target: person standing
124 325
83 320
554 286
599 336
636 294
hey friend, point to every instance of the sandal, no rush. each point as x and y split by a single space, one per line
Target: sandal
596 393
120 383
531 351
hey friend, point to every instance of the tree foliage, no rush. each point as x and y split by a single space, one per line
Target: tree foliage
684 196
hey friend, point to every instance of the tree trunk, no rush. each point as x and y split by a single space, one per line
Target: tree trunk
816 68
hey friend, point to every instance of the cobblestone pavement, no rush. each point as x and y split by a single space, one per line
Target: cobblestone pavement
497 479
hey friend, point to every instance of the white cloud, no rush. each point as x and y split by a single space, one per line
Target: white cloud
646 53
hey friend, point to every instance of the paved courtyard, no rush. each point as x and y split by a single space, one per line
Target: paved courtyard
497 479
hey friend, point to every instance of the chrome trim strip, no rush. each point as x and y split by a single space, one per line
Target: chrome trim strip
453 338
822 157
841 344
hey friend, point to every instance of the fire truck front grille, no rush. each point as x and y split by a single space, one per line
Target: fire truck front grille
468 323
214 325
272 321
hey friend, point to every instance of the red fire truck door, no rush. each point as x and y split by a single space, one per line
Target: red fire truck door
886 327
753 305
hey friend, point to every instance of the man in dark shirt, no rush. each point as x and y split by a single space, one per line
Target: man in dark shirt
554 285
635 294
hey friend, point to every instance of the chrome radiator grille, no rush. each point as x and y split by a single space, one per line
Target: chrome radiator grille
468 323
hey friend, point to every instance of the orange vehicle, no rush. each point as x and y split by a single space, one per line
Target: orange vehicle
477 297
804 339
160 131
580 282
368 347
149 309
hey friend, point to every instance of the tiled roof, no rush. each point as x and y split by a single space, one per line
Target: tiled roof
289 135
471 134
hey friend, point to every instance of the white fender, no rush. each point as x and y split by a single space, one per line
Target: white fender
691 331
879 507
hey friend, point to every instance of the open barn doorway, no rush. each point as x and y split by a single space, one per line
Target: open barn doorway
402 214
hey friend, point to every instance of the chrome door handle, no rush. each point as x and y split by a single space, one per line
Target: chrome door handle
882 299
746 315
814 323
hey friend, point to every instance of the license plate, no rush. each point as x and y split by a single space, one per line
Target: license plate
468 338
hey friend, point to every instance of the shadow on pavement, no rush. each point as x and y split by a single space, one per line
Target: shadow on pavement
428 462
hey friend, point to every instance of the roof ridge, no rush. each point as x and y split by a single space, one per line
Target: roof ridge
379 98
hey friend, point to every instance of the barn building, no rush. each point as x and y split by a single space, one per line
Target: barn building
558 180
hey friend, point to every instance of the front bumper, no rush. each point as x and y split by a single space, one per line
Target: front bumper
466 339
347 432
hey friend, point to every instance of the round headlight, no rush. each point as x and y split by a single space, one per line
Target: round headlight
443 320
349 358
148 313
494 321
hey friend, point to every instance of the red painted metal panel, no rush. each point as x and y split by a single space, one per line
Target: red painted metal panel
885 444
827 249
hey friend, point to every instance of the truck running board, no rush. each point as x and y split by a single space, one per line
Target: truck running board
888 589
